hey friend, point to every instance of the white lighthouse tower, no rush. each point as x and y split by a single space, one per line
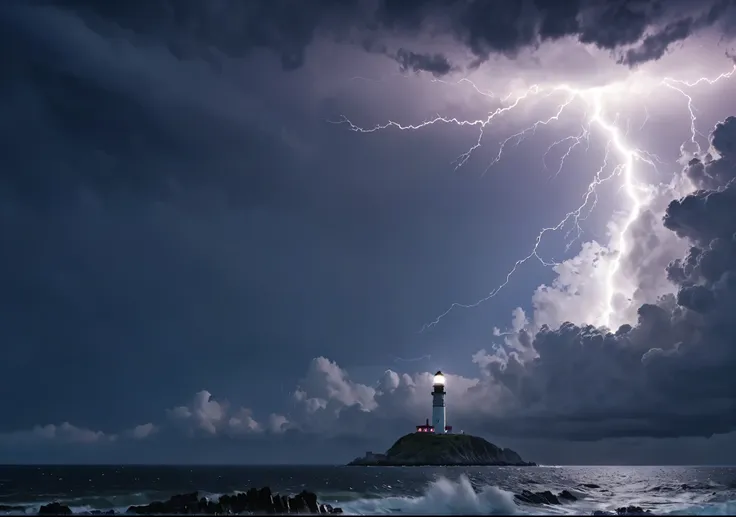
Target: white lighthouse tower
438 404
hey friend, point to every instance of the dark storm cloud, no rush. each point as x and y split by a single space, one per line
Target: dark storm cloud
147 220
162 232
709 173
654 45
196 29
488 28
704 216
118 111
154 243
436 64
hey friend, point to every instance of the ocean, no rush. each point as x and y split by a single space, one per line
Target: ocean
384 490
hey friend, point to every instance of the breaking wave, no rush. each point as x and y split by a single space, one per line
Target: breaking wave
442 497
447 497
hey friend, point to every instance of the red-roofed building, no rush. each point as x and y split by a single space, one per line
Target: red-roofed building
425 428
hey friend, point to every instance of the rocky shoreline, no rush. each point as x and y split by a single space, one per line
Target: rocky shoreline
264 501
254 501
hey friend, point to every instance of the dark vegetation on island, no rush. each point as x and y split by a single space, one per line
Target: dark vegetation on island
429 449
254 501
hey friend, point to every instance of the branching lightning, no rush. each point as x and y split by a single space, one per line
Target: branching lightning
594 100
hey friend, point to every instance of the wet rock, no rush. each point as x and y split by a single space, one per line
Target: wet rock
625 510
259 501
632 510
310 499
54 509
178 504
545 497
567 496
278 505
297 505
264 499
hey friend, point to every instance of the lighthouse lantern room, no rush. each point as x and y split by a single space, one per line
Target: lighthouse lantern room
439 417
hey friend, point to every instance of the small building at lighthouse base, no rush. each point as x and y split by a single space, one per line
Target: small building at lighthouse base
429 428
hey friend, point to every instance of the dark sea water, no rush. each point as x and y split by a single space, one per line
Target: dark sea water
384 490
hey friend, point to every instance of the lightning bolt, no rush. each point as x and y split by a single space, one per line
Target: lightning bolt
679 86
596 119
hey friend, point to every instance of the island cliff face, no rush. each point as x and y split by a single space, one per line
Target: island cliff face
427 449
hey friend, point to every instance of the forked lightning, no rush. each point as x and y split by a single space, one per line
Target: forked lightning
595 102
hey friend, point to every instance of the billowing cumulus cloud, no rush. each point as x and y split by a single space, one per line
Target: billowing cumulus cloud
205 416
64 432
67 433
331 402
143 431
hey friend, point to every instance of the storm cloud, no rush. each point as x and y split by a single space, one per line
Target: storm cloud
188 251
636 31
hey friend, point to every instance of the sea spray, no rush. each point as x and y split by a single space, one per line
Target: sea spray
441 497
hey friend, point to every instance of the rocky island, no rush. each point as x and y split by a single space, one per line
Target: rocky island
429 449
436 445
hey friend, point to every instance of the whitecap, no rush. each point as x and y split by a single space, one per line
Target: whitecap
441 497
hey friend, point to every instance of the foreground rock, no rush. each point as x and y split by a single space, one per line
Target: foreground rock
253 501
428 449
625 510
54 509
545 497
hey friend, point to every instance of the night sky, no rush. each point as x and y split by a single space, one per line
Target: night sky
234 231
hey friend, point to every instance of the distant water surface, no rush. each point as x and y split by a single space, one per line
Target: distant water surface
385 490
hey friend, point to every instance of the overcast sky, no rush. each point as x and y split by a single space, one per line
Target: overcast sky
224 236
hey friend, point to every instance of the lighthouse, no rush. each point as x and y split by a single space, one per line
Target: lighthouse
439 419
438 403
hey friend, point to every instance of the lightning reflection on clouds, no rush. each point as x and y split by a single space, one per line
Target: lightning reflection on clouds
596 119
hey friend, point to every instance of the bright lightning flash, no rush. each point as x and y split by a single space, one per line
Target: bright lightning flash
595 100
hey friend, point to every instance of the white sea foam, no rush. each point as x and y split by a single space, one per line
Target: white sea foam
442 497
